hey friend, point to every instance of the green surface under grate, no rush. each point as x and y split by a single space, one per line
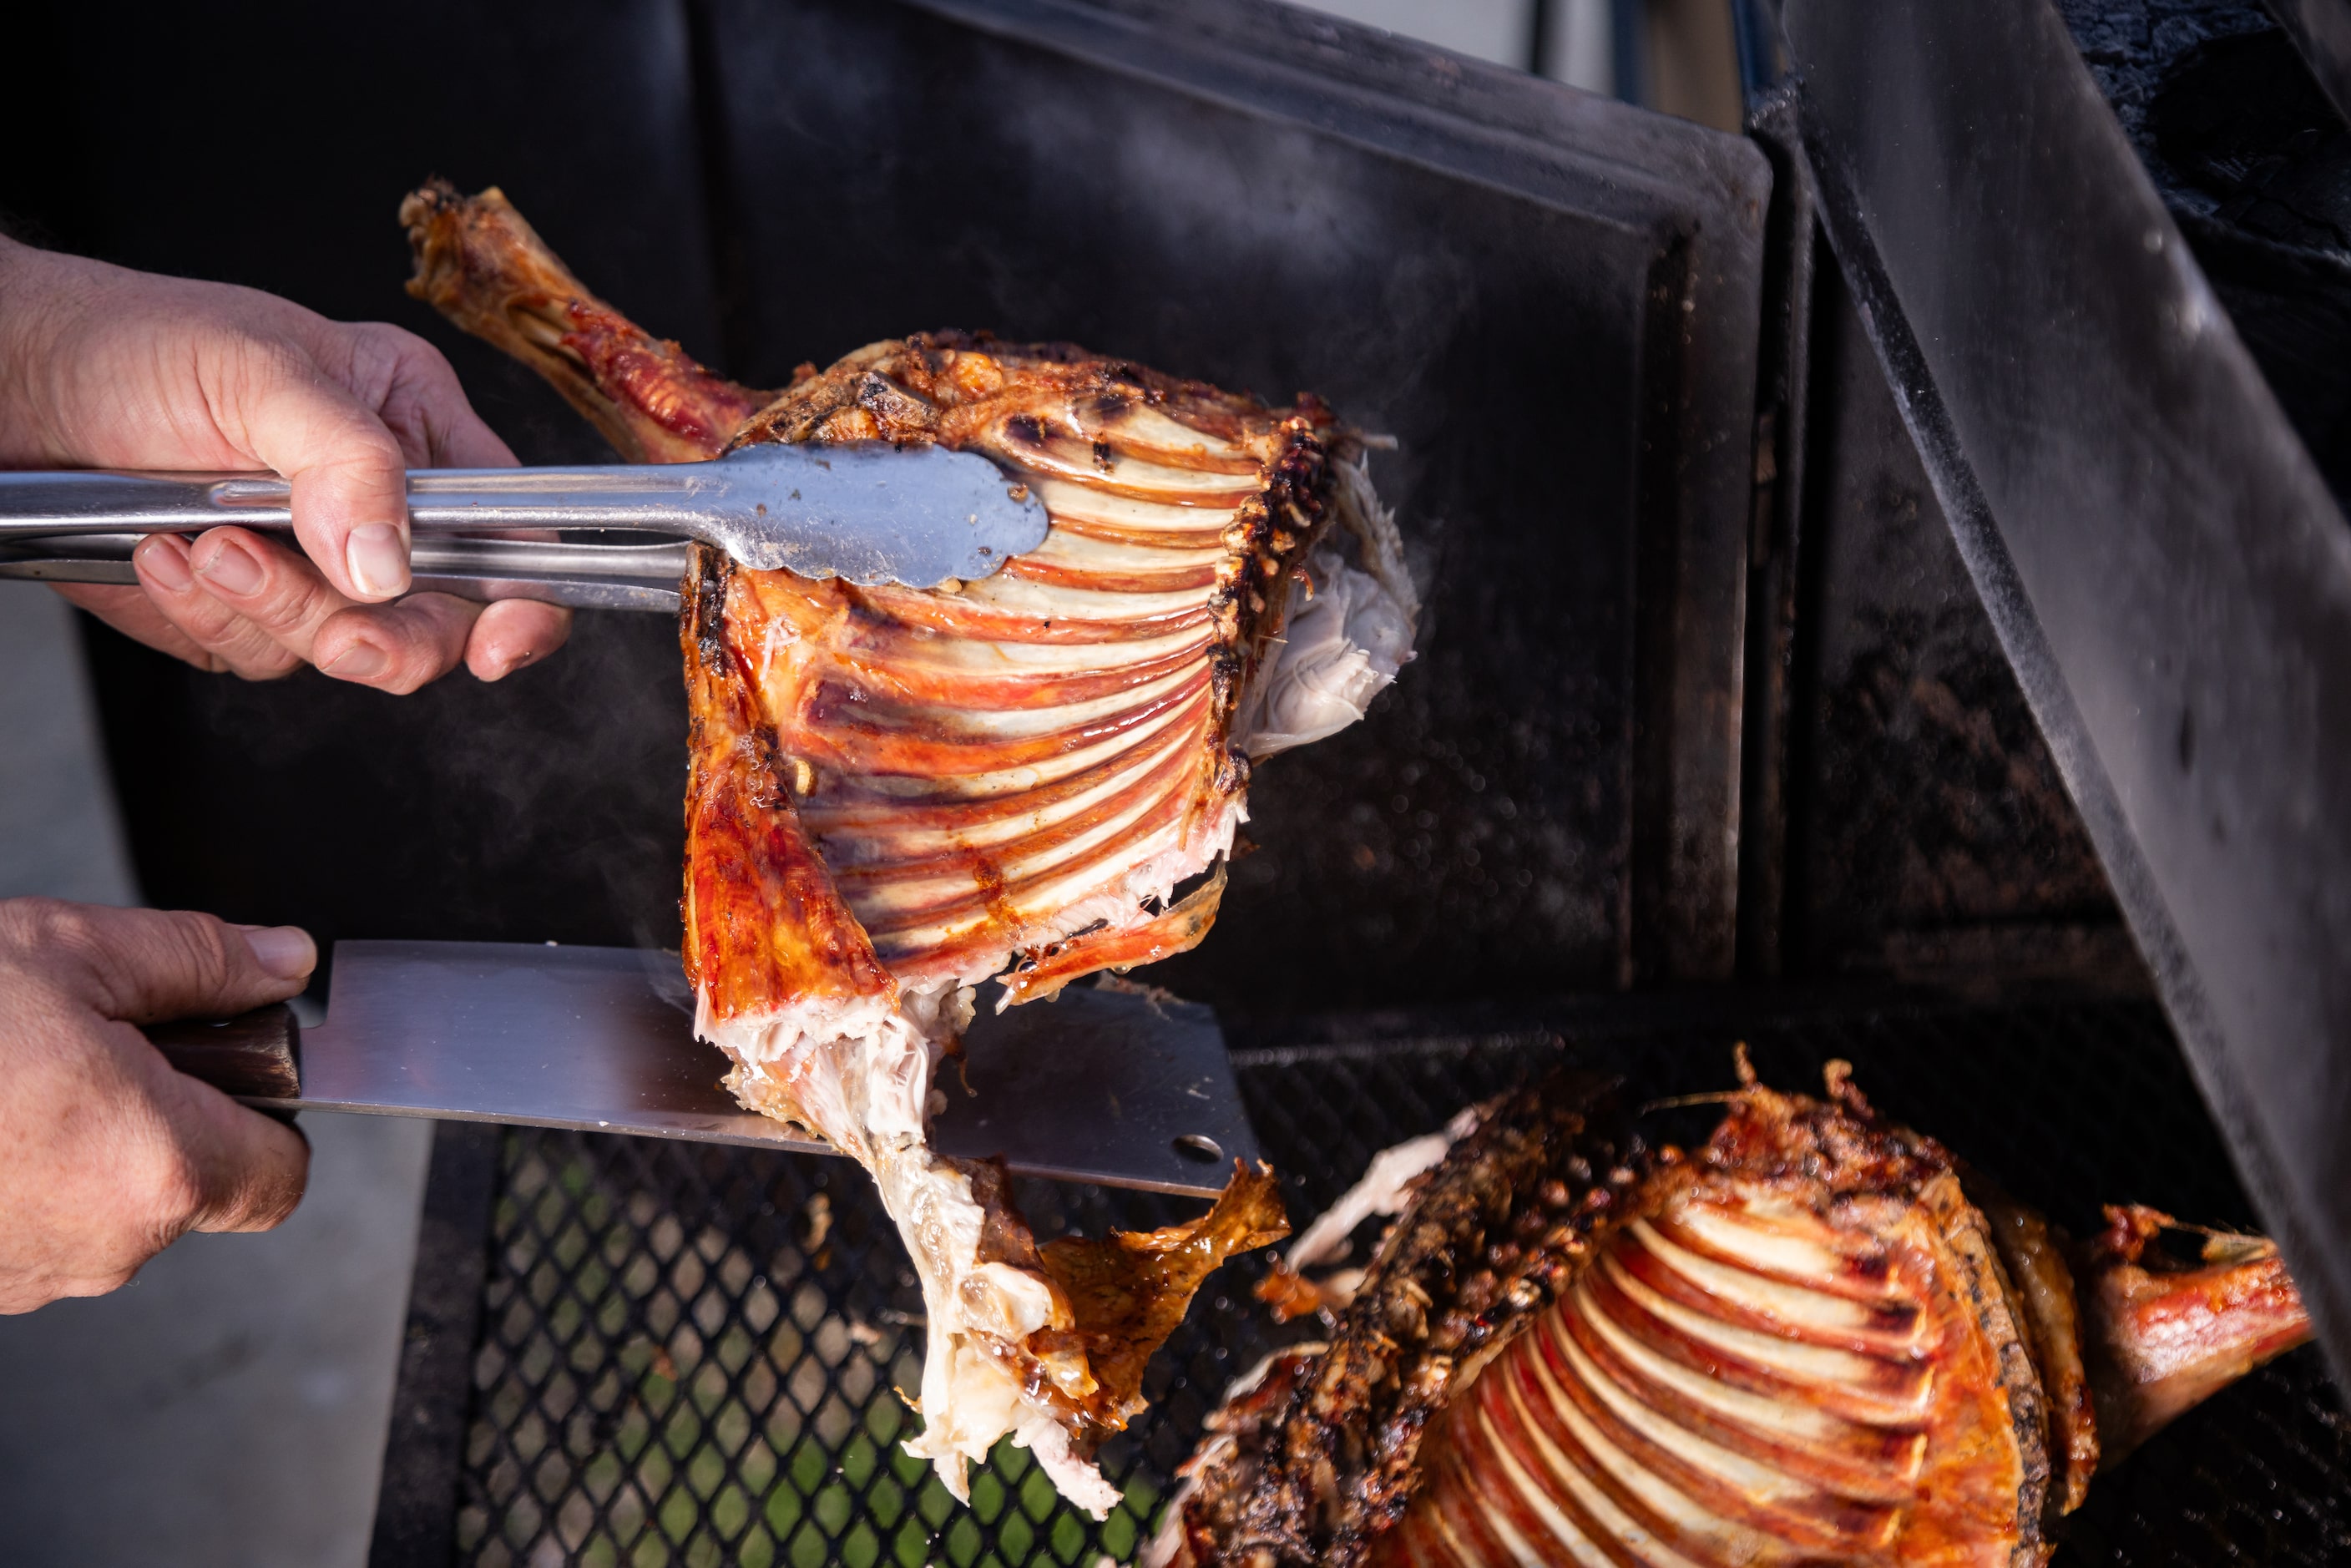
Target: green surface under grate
689 1355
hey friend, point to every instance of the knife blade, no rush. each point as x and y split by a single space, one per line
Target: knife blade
1116 1088
867 511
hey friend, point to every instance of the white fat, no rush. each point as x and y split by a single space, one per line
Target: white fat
1008 1301
1385 1188
860 1069
859 1072
1156 878
778 635
1070 717
1248 1382
1340 649
1342 640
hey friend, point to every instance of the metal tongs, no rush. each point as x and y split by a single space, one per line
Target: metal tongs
869 512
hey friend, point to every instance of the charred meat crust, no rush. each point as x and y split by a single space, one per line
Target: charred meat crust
1992 1296
1268 539
2032 1256
702 624
1324 1457
1124 1292
905 385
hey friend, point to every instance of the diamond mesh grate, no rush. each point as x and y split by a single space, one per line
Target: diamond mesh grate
689 1352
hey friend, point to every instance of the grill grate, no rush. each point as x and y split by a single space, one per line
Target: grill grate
688 1352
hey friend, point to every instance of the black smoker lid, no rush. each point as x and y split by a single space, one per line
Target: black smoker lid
2164 563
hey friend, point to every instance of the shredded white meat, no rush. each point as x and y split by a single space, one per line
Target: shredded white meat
862 1075
1347 630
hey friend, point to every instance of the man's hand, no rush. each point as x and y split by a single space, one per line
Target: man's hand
103 368
107 1155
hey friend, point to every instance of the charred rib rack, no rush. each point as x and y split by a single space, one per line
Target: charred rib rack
1817 1338
895 794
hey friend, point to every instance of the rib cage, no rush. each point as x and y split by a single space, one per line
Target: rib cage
1736 1381
990 769
987 771
894 793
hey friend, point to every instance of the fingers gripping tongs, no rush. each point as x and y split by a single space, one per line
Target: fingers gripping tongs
871 513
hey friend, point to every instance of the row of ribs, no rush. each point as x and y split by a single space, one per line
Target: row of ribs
1817 1338
897 793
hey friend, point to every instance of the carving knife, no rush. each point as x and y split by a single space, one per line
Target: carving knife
866 511
1119 1088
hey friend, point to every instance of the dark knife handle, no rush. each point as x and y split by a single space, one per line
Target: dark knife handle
253 1056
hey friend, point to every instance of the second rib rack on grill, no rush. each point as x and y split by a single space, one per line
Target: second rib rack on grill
1817 1337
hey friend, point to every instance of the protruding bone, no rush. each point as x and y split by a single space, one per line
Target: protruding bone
2163 1337
479 264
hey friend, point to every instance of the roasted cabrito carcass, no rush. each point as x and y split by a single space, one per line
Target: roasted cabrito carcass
1817 1338
897 793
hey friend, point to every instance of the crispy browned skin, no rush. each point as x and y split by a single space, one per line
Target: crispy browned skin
1129 1290
1126 1290
763 918
1179 930
1926 1403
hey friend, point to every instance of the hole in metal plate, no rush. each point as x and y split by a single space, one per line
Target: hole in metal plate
1201 1148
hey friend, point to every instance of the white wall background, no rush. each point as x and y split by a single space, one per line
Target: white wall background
58 835
1497 30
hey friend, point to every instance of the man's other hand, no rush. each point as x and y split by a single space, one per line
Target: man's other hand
108 1155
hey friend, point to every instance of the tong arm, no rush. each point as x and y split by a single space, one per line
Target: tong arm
584 575
867 511
440 500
